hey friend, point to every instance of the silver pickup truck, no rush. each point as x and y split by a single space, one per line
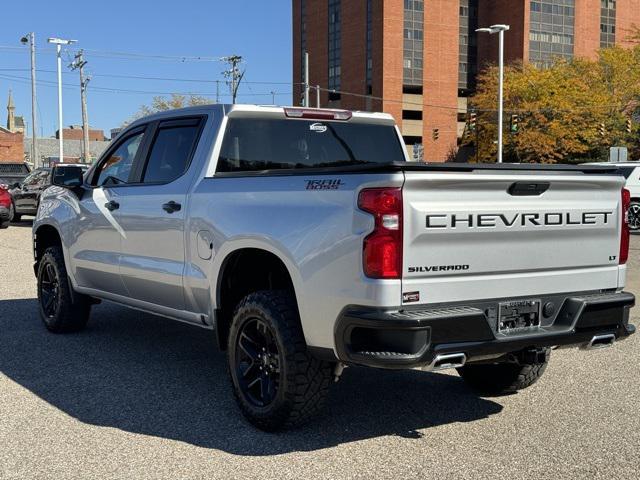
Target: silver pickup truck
308 242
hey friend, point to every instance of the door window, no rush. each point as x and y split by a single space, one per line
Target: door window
171 152
116 169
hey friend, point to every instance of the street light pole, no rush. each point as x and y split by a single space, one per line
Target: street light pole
499 29
500 91
58 42
31 40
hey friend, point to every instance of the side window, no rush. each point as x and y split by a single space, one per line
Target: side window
36 179
117 168
171 152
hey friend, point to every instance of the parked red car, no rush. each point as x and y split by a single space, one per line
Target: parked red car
5 207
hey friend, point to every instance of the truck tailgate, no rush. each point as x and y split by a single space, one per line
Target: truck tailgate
486 235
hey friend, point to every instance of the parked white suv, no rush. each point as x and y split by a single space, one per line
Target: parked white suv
631 171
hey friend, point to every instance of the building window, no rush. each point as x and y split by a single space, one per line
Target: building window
412 114
369 66
334 47
468 54
607 23
551 33
413 42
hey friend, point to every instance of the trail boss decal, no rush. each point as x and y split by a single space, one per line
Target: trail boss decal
329 184
492 220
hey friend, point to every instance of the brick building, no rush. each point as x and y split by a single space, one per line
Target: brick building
74 132
418 59
12 136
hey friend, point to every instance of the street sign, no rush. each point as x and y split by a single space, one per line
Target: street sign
618 154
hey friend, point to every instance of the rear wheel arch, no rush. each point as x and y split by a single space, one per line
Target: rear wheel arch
44 237
244 271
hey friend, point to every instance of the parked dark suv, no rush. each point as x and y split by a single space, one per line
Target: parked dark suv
26 194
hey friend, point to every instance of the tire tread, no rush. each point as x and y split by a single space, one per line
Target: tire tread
307 378
503 378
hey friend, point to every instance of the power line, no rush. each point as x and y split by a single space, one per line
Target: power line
126 55
48 83
144 77
446 107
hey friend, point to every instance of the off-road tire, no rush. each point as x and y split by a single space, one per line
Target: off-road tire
71 310
503 378
303 380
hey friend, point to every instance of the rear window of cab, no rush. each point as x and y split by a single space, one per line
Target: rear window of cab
254 144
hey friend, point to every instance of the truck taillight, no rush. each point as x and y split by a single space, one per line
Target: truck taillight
624 237
382 251
317 113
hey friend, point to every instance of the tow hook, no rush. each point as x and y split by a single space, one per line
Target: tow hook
533 355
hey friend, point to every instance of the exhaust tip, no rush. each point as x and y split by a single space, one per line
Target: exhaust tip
446 361
600 341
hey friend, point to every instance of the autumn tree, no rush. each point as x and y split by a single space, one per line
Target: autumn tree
160 103
560 109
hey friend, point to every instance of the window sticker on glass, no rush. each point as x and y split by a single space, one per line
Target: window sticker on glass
318 127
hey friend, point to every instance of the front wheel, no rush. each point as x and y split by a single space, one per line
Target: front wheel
633 214
13 215
61 309
277 384
506 377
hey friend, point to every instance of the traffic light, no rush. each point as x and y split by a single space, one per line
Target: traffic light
629 126
602 129
514 123
436 134
473 118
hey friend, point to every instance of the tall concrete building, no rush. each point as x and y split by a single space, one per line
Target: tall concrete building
418 59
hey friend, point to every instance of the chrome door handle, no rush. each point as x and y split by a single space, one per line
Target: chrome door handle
171 207
112 205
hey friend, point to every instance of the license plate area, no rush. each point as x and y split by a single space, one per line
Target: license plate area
518 315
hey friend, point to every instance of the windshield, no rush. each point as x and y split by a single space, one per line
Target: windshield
37 177
268 143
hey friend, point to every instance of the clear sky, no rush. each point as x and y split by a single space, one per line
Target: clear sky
259 30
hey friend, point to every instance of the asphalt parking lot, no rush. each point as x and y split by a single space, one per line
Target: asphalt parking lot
138 396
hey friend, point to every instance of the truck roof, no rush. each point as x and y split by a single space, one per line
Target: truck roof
267 110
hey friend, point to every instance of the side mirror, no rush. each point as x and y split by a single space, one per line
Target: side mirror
68 176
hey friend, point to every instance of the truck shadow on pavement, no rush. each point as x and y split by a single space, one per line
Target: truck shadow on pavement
149 375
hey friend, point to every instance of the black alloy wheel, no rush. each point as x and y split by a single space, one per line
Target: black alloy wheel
633 214
257 363
62 310
49 290
275 380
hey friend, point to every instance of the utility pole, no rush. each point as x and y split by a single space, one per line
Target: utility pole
273 97
217 91
58 42
30 38
79 64
233 74
306 79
